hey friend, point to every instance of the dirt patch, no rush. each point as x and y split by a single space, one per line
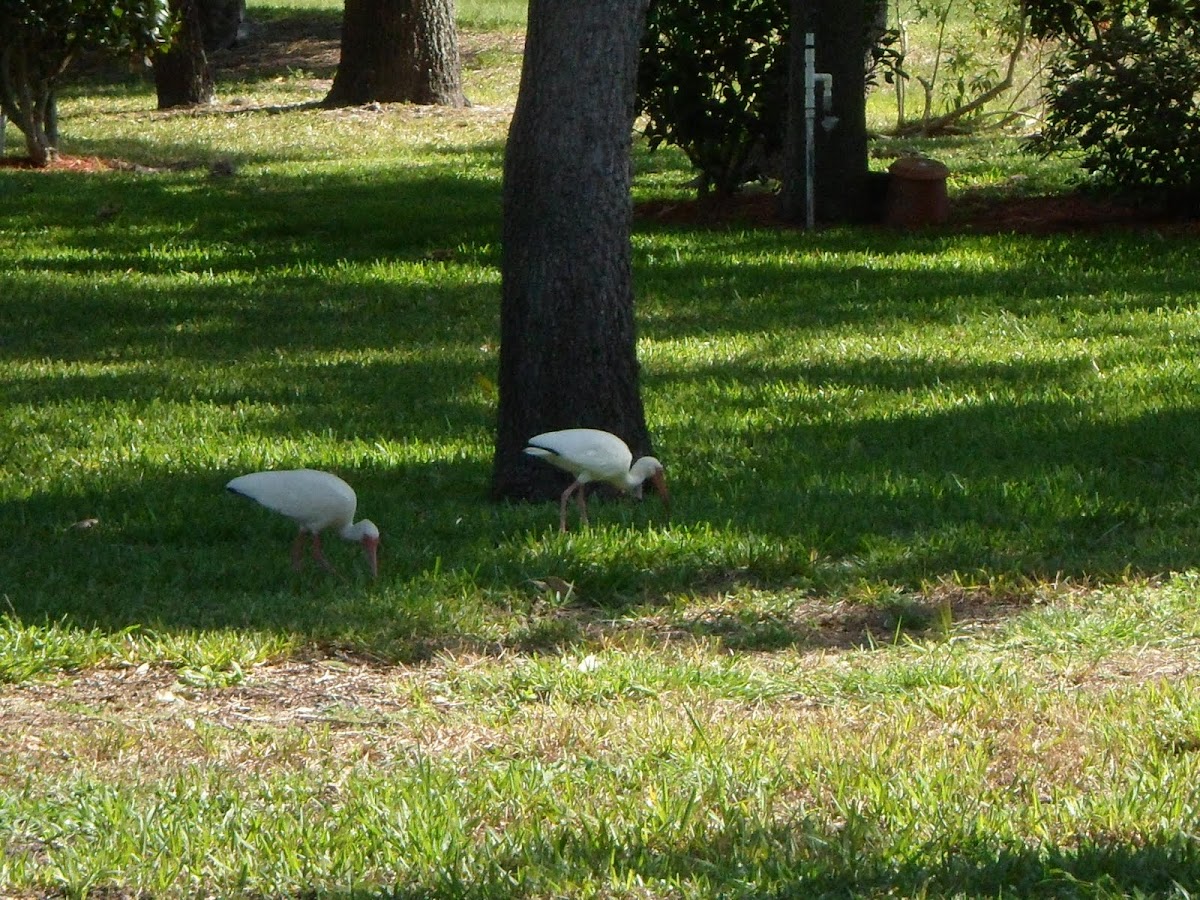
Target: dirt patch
283 44
141 722
149 721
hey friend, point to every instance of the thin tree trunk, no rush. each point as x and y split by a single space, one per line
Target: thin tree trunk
398 51
28 101
568 355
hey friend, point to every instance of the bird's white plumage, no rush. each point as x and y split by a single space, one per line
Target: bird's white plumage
313 500
587 453
593 455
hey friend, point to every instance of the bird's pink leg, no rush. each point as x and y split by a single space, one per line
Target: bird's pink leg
581 498
298 552
562 506
577 488
319 554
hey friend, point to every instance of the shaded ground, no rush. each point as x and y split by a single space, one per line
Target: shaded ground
274 44
992 212
1063 212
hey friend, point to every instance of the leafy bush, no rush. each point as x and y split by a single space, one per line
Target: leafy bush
1123 90
712 80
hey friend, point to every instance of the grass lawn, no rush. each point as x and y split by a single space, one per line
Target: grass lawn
925 620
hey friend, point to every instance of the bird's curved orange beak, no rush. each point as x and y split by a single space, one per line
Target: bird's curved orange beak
371 549
659 480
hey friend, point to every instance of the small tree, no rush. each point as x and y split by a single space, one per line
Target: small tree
1124 91
972 63
40 38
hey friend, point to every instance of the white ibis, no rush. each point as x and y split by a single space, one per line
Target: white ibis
593 455
314 501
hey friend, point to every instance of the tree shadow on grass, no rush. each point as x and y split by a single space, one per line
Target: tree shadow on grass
1032 488
281 226
1053 500
810 860
793 283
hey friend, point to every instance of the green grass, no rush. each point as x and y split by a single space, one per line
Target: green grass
924 621
475 14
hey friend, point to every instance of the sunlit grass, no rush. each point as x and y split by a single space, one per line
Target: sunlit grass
993 761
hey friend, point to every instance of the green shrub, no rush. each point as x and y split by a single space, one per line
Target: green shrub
712 80
1122 92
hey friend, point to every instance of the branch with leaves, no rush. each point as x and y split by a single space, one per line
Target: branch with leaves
39 39
996 30
948 120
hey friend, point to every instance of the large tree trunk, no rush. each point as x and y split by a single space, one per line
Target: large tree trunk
840 186
398 51
568 355
181 73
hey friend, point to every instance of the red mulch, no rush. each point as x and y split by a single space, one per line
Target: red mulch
1070 212
1056 213
61 164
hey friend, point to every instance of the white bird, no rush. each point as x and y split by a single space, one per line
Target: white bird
593 455
314 501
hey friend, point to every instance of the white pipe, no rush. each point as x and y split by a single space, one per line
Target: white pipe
810 116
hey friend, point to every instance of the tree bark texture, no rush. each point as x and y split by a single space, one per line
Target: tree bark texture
182 76
398 51
568 354
840 185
